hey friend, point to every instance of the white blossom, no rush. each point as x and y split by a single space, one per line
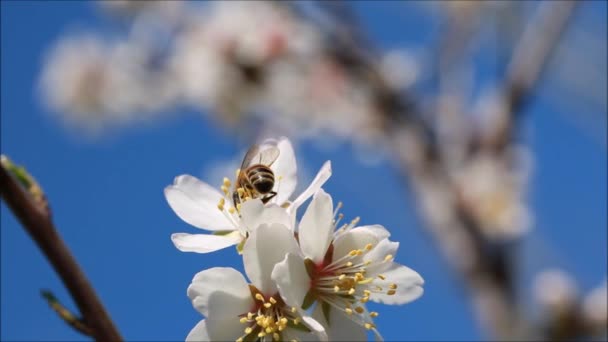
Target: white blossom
204 207
341 269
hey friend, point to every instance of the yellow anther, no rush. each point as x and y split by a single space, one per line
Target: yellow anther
391 292
283 321
226 182
267 305
348 311
373 314
293 309
369 326
388 257
272 300
352 253
243 320
296 320
369 246
259 297
336 288
349 264
224 189
238 206
364 300
231 210
359 310
392 286
351 291
250 315
276 337
358 276
220 204
381 277
261 334
248 330
367 293
269 330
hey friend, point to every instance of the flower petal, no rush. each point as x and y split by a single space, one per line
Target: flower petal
341 328
198 333
204 243
196 203
254 213
285 171
383 249
409 285
292 279
379 231
266 246
356 238
316 227
224 329
220 292
316 184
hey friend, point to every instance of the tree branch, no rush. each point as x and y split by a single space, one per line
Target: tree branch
39 226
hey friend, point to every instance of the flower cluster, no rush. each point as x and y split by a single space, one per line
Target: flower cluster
309 279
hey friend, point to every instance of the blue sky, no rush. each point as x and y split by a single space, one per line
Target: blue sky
107 200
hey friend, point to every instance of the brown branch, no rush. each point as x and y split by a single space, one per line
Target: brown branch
41 229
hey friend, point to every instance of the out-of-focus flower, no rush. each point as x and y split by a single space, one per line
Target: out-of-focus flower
202 206
595 309
494 193
94 84
556 291
341 270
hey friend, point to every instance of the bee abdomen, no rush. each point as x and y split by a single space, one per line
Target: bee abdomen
261 178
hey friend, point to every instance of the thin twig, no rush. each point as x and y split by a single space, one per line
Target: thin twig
41 229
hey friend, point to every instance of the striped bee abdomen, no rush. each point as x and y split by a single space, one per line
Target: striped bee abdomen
261 178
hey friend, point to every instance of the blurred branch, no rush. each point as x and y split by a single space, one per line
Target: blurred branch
485 266
37 223
529 61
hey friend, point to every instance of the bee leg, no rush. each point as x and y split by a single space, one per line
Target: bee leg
269 197
236 199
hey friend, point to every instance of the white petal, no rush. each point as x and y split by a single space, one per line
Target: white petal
265 247
225 329
204 243
196 203
356 238
383 249
254 214
340 327
316 227
409 285
285 171
198 333
320 179
378 230
292 279
220 292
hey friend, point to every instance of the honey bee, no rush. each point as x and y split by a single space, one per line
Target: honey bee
255 178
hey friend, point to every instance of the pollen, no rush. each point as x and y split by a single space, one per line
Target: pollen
272 300
226 182
220 204
369 247
267 305
373 314
388 257
259 297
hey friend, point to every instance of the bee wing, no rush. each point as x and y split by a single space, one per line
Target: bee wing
268 156
250 156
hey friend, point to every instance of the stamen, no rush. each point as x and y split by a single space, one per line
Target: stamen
373 314
259 297
220 204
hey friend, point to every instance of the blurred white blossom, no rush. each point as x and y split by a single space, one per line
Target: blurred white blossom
555 290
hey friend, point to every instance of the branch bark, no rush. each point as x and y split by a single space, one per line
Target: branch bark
40 228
